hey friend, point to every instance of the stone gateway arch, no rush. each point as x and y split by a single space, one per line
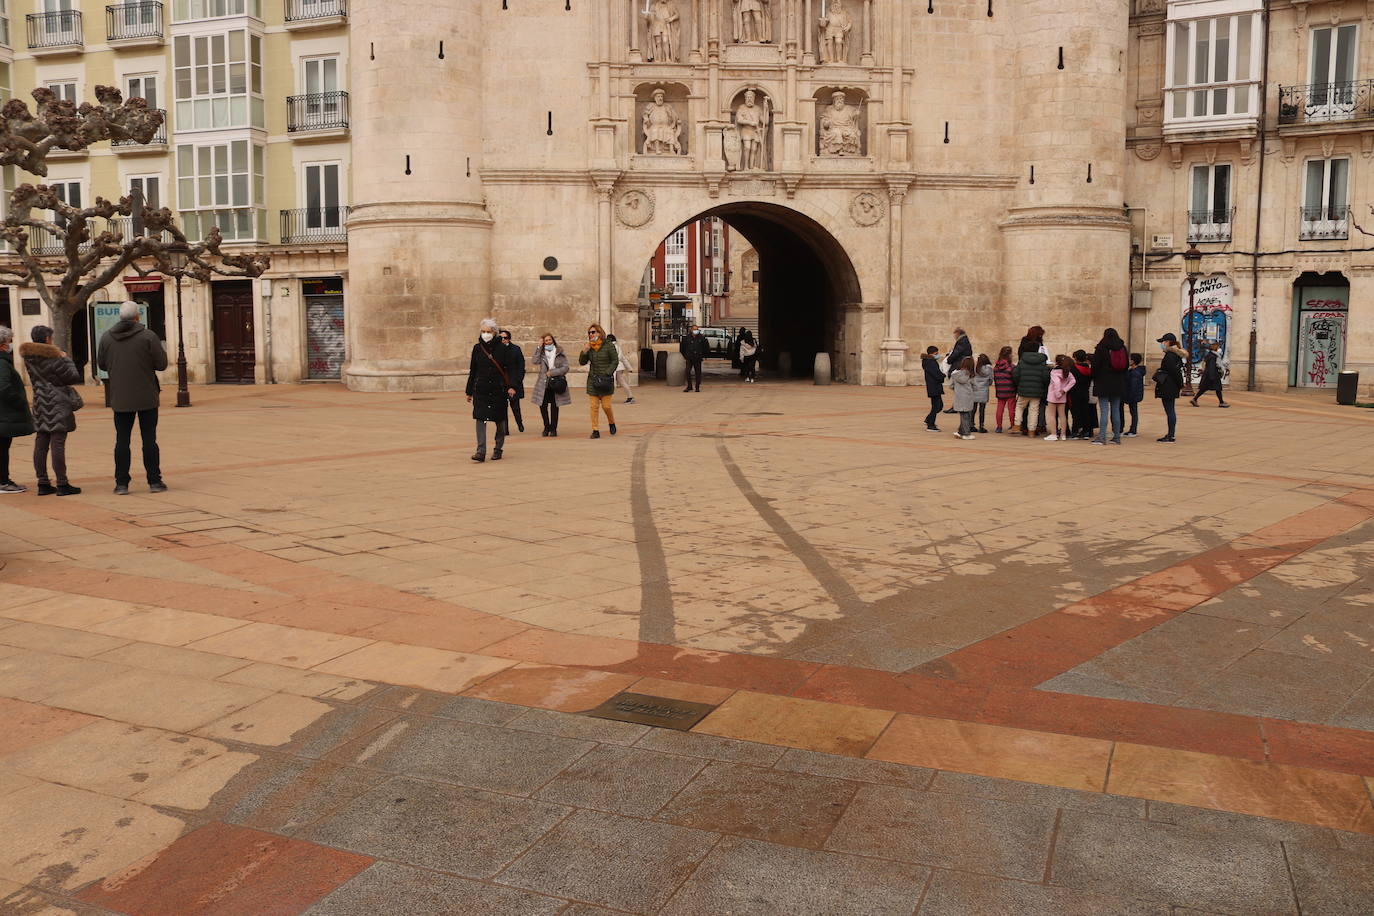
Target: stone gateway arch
490 142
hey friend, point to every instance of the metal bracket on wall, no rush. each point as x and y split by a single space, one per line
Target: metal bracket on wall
946 131
407 163
1061 57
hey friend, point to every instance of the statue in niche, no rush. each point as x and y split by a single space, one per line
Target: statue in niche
753 21
840 135
751 128
835 23
662 128
664 28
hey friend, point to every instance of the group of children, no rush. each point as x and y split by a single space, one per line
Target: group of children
1036 398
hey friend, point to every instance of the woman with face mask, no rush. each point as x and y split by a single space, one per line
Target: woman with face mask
551 387
490 387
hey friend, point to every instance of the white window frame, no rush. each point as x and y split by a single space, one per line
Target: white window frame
1330 219
144 178
5 23
143 79
1212 223
202 89
1187 16
72 81
675 275
675 245
339 190
202 10
213 196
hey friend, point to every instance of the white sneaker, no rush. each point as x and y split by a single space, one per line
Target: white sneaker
1051 438
964 437
12 487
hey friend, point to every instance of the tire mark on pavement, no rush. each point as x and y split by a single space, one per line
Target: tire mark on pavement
656 621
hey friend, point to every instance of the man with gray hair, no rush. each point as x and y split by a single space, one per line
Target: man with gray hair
133 355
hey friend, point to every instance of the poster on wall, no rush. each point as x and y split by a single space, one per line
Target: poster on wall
105 315
1321 325
1210 319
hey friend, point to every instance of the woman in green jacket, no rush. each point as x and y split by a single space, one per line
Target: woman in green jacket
602 357
15 418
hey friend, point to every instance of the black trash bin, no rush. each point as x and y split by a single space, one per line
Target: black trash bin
661 365
1347 384
646 359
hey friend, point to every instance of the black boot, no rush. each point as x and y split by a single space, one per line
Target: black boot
496 455
596 434
479 456
612 429
66 489
46 489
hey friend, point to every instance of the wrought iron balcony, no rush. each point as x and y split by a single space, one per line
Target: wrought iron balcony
314 224
138 22
124 225
1320 103
159 139
1321 223
305 10
1210 225
317 111
58 29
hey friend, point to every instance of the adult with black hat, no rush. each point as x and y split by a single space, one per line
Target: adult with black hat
1168 379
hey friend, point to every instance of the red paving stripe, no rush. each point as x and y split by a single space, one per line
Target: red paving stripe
1322 747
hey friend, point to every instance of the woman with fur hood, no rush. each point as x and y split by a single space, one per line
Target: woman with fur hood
52 375
1168 380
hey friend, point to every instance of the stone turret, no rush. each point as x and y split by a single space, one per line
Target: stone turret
419 234
1067 241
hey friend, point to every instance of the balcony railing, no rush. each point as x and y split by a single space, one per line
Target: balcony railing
132 21
314 224
301 10
1319 103
317 111
124 225
1320 223
159 138
1210 225
58 29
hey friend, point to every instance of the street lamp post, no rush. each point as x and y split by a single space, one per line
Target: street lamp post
177 256
1192 260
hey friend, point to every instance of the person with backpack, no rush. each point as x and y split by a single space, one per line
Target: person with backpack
935 385
1061 382
601 358
551 385
1110 362
1213 369
1032 379
1006 389
1168 379
1135 391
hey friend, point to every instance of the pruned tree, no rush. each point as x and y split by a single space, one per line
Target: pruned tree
90 250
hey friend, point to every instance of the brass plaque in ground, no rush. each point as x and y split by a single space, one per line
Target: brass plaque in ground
661 712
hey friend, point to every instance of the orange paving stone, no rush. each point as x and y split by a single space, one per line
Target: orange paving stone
796 723
991 750
24 725
552 687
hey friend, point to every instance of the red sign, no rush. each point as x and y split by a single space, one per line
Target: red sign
142 284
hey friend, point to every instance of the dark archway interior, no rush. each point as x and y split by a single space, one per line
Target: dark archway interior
805 277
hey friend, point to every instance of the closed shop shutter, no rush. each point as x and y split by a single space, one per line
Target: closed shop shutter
324 325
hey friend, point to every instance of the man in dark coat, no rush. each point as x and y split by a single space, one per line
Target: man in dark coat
962 348
1212 373
133 356
490 387
52 373
694 348
517 378
15 419
935 385
1110 362
1169 381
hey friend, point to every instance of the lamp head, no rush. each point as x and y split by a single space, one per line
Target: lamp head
177 255
1192 260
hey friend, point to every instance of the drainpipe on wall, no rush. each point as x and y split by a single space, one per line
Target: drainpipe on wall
1259 200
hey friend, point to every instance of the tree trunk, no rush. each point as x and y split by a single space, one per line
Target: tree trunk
62 328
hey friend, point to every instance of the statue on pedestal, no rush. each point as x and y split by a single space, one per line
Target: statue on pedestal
664 28
662 128
840 134
751 126
835 25
753 21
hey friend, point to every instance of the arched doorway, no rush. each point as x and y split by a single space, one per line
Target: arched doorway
803 278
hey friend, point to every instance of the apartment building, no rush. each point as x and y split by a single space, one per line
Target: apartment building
693 278
256 141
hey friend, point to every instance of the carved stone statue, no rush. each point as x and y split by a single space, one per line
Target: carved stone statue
751 126
753 21
840 134
835 26
662 128
664 28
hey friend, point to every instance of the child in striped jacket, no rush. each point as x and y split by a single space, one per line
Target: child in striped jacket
1006 389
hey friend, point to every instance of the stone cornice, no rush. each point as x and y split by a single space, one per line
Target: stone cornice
694 179
1095 218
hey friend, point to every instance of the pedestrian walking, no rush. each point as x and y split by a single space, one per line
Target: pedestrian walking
957 354
982 382
601 357
15 419
962 384
133 355
1006 389
55 403
622 370
1032 380
1213 370
736 361
1110 362
1034 341
1135 391
491 387
517 378
1062 382
551 383
1080 398
748 356
694 349
935 385
1168 379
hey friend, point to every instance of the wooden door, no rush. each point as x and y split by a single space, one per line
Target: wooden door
235 351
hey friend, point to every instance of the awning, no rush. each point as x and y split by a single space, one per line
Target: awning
142 284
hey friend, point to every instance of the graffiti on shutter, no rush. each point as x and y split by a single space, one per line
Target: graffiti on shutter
324 325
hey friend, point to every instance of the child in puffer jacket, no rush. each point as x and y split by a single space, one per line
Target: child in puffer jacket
982 381
1006 389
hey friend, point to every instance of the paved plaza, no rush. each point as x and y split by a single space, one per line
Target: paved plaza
341 669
